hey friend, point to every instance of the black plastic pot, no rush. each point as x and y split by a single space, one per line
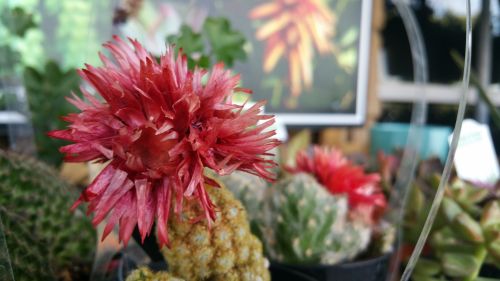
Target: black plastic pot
150 245
375 269
490 271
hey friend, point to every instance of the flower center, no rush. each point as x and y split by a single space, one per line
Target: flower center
152 149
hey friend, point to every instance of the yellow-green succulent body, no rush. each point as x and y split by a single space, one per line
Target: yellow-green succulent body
145 274
227 251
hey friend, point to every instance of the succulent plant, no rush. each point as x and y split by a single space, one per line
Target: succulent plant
44 240
226 44
466 233
227 251
302 223
46 90
145 274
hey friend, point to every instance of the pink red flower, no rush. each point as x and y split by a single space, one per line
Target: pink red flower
339 176
159 126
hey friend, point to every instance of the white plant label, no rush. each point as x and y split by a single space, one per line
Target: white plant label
475 159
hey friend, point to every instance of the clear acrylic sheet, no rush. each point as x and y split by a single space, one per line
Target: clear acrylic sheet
110 247
453 147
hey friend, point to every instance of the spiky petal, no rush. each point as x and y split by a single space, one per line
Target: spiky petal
159 127
339 176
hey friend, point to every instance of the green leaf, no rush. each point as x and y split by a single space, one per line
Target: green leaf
46 91
189 41
468 228
459 265
226 43
494 248
53 73
450 209
427 267
8 58
491 214
349 37
416 202
421 277
204 61
17 21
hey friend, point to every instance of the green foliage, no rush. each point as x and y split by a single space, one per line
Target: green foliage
76 37
14 24
20 39
8 58
46 92
17 21
44 238
466 233
225 44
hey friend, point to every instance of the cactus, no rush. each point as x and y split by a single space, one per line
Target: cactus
304 224
248 189
145 274
466 233
45 240
227 251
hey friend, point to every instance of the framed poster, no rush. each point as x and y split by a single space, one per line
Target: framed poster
308 58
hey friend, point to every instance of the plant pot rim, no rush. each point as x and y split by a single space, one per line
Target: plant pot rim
352 264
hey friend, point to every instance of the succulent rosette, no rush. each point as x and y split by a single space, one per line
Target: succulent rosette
159 125
339 176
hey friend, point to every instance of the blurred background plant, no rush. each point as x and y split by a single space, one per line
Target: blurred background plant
216 42
46 90
300 221
45 240
20 38
465 239
43 42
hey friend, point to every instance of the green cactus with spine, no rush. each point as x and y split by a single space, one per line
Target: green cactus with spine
301 223
465 236
227 251
44 239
